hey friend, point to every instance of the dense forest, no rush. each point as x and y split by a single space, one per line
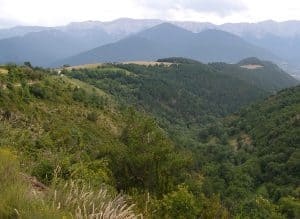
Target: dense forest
186 140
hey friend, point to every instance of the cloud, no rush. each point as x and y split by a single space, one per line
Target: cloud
218 7
60 12
5 23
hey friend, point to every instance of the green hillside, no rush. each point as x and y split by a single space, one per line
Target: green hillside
187 92
268 142
263 74
162 138
274 132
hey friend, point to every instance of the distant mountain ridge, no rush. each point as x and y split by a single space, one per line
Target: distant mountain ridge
168 40
280 38
127 26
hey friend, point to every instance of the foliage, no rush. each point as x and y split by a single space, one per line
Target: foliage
178 204
163 135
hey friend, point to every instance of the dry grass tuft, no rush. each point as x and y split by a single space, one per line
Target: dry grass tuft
83 203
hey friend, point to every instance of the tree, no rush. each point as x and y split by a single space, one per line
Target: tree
28 64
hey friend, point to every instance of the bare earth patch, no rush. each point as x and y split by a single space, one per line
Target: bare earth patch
252 67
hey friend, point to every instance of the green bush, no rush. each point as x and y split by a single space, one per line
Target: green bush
179 204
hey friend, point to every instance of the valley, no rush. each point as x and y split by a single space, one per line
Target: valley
157 133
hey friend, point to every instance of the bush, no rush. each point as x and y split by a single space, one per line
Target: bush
44 171
178 204
93 116
38 91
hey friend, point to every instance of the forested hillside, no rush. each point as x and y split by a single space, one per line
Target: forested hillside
162 137
263 74
187 92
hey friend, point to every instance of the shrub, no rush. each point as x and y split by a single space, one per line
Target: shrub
44 171
92 116
178 204
38 91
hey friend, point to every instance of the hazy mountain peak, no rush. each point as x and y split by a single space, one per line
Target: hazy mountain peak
85 25
165 30
251 61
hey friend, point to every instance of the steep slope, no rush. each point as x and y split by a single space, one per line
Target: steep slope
129 49
190 93
188 99
263 74
57 121
274 134
63 129
174 41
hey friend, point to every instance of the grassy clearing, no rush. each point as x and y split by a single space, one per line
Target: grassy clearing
251 67
148 63
98 65
85 86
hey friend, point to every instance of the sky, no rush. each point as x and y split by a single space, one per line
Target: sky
61 12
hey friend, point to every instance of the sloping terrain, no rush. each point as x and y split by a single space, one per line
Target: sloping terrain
156 133
264 74
190 92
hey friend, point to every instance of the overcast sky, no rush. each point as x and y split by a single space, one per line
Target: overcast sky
60 12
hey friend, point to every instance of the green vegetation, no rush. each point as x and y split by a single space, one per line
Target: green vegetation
153 140
267 76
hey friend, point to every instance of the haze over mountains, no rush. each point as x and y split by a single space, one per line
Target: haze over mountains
275 41
167 40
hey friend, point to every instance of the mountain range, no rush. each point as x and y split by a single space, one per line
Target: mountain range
167 40
276 41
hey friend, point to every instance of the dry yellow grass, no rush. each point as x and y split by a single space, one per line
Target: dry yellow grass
147 63
95 65
252 67
84 203
84 66
3 71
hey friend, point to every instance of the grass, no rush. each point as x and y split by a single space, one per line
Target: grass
17 198
3 71
85 86
75 199
82 202
148 63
